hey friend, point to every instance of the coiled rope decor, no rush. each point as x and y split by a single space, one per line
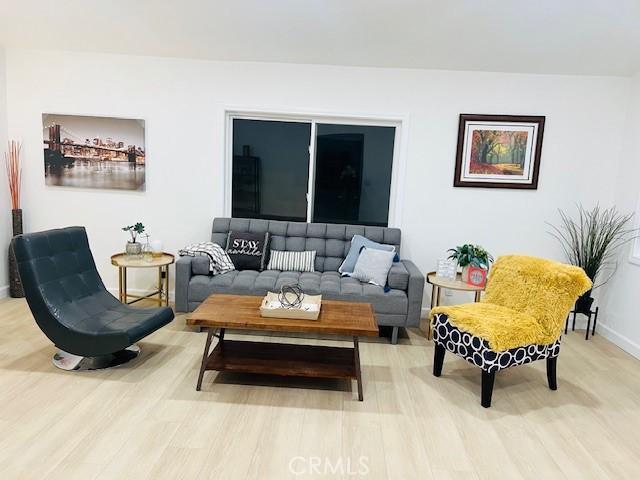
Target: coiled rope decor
291 296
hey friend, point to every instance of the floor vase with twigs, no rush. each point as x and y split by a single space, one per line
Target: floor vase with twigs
15 285
14 174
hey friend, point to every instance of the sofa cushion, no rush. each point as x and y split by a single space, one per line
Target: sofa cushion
398 276
331 285
200 265
331 242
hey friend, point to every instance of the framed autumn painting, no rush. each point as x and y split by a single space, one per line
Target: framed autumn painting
499 151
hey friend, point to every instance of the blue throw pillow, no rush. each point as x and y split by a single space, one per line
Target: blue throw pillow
357 242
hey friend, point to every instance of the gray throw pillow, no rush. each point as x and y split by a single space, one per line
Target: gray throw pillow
357 242
373 266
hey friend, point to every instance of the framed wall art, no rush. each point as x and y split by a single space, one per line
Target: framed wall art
499 151
94 152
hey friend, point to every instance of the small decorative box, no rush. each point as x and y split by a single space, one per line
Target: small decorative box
477 276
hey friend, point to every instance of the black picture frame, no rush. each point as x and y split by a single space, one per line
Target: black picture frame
464 155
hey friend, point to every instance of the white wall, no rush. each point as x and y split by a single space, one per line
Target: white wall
5 200
621 322
183 102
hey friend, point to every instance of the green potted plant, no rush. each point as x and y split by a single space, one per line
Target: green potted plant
470 255
133 246
591 242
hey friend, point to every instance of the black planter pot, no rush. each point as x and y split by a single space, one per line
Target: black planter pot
15 285
584 302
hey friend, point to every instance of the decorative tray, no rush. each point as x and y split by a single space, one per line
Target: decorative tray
309 309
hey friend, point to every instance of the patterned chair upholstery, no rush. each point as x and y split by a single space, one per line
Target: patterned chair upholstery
523 290
476 350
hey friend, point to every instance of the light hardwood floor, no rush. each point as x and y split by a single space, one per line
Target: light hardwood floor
145 419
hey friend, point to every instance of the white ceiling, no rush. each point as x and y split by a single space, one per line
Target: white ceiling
536 36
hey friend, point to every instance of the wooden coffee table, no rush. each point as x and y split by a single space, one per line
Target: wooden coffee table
241 312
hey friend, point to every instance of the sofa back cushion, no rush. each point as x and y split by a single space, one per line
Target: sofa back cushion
330 241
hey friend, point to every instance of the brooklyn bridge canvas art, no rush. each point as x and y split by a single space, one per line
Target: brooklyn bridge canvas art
94 152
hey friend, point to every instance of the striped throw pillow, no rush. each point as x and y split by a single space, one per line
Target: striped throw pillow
292 261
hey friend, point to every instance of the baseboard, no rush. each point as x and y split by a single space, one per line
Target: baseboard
137 291
629 346
4 291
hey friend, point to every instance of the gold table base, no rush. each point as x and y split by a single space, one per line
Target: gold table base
161 262
160 295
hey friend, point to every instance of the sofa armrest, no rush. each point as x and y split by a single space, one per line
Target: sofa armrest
415 292
183 276
398 277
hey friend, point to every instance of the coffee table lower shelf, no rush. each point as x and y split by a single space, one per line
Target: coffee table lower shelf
281 359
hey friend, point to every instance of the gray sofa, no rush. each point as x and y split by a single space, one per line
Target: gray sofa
398 307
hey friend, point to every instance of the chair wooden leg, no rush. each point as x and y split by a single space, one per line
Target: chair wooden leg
487 388
438 359
551 372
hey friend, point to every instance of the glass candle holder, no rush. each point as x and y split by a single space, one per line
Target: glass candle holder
156 248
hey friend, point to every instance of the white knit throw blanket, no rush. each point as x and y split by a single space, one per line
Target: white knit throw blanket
219 261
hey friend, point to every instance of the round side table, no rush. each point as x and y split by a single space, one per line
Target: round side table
438 283
161 262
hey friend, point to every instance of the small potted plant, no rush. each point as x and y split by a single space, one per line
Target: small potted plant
133 246
591 242
469 255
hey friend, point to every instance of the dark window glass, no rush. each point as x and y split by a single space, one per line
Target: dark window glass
270 169
353 174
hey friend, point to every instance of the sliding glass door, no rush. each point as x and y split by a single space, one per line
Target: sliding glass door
353 166
312 171
270 169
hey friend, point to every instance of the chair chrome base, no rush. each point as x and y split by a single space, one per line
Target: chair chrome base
70 362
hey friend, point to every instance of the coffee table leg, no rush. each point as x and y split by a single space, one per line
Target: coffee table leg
356 359
205 357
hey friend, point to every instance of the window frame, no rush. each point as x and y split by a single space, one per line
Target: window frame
400 124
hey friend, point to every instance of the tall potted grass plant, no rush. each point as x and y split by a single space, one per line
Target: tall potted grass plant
591 242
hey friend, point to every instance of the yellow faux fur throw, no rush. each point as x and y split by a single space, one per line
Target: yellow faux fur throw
526 301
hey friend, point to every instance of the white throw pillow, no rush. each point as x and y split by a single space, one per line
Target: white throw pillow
373 266
292 261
